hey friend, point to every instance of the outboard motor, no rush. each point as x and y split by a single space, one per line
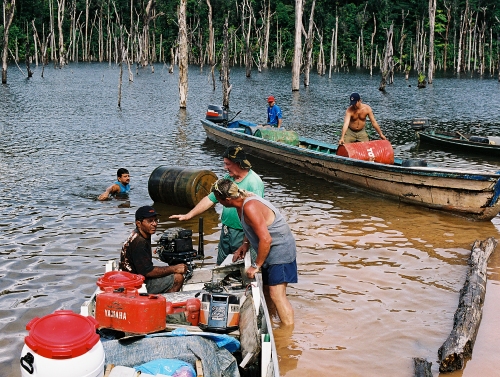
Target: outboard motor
216 114
176 246
420 124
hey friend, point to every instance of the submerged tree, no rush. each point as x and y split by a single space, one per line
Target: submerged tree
183 55
297 51
8 17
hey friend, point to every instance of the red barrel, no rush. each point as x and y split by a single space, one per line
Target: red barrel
376 150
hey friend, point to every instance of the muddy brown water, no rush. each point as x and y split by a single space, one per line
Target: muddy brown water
378 280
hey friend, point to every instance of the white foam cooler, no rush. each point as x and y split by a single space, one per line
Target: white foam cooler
62 344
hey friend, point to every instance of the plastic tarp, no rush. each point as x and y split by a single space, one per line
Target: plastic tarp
222 340
216 361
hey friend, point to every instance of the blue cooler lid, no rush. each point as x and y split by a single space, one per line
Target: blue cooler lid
62 335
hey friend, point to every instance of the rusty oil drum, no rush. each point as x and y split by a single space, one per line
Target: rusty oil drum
376 150
180 186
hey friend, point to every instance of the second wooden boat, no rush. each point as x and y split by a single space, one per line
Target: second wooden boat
468 193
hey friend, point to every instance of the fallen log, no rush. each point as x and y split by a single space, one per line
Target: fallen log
422 367
460 342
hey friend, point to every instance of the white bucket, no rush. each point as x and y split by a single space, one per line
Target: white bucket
63 344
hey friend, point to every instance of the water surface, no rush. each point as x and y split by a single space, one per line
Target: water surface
378 280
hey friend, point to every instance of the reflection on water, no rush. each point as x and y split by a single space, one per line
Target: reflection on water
378 280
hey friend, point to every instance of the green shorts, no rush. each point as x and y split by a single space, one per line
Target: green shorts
230 240
353 136
160 285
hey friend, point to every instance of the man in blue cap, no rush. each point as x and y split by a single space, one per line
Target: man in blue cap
355 121
136 256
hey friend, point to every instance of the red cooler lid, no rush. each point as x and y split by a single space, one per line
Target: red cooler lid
117 279
62 335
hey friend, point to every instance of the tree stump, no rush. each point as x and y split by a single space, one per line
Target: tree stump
422 367
460 342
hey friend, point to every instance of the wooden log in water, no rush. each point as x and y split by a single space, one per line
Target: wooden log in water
460 342
422 367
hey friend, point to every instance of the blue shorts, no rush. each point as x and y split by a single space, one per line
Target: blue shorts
280 273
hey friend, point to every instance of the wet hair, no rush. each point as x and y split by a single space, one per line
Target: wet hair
225 188
121 171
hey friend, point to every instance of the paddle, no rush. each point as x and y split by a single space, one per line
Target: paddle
461 135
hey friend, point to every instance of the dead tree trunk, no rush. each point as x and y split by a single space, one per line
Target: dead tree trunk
226 87
386 68
432 21
309 46
27 59
210 48
61 4
297 51
267 22
445 48
183 55
371 44
460 342
331 55
8 17
421 367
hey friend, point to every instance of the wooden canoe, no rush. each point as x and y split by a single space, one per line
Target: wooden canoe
458 141
468 193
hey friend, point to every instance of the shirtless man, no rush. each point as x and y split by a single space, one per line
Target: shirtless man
355 120
121 186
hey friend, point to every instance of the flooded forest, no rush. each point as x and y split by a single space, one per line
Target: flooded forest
315 36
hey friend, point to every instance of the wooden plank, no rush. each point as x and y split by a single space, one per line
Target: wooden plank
199 368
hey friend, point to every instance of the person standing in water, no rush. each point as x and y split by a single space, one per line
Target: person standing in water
121 186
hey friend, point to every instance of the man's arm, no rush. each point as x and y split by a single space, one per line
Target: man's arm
375 124
280 120
158 272
113 189
201 207
347 120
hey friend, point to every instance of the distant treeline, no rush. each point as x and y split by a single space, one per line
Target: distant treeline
345 33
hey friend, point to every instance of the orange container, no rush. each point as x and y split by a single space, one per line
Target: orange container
375 150
126 309
191 307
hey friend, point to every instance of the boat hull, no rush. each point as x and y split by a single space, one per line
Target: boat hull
459 142
467 193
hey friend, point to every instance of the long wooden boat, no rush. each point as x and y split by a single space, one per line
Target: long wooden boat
468 193
487 145
209 352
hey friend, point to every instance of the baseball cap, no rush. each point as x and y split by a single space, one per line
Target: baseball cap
145 212
354 98
270 99
236 154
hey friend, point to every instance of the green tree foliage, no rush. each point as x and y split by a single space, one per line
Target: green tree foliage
352 15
